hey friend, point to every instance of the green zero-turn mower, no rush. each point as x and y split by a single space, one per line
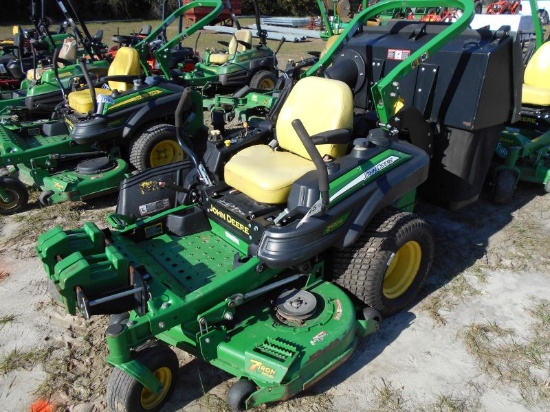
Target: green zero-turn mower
79 152
523 151
27 47
41 89
239 64
273 249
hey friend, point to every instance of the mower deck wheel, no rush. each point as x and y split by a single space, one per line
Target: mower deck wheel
155 146
263 80
18 195
239 393
124 393
44 197
388 264
505 185
547 187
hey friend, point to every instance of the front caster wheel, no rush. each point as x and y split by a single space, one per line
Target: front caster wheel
15 195
124 393
239 393
505 185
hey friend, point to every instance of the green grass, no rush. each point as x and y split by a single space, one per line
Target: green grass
23 359
6 319
520 361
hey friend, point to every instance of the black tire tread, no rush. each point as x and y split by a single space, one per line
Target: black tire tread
258 77
13 184
138 148
120 384
505 185
357 268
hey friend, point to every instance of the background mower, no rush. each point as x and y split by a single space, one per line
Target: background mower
78 154
241 63
248 256
523 151
42 89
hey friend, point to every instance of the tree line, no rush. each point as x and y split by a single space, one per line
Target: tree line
18 11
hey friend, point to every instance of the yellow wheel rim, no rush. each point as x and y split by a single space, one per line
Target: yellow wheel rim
165 152
402 270
266 84
150 400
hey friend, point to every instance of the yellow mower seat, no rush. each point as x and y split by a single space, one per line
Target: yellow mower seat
234 47
265 174
536 79
125 63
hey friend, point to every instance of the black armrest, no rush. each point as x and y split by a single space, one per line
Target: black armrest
337 136
245 44
224 43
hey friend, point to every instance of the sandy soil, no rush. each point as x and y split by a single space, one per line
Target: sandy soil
477 339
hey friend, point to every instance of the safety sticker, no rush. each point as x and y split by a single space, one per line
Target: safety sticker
396 54
3 69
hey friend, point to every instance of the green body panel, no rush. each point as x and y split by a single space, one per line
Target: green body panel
23 142
137 97
365 173
72 185
205 73
527 154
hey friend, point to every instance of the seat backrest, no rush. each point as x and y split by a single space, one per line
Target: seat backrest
68 49
145 30
125 63
537 71
321 104
240 35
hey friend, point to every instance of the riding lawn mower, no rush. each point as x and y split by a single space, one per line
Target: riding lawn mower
78 153
42 88
272 250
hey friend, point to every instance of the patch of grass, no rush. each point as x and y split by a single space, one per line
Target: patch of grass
6 319
31 224
451 403
388 397
77 372
213 403
521 362
23 359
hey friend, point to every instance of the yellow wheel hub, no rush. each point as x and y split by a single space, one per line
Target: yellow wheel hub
402 270
150 400
165 152
266 84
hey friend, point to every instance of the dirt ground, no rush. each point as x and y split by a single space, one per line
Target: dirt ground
477 339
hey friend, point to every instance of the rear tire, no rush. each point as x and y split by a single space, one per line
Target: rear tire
263 80
155 146
18 195
124 393
388 264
